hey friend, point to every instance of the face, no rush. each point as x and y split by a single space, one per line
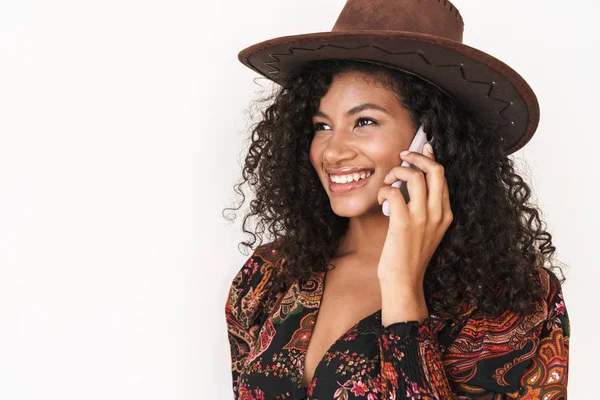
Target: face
360 128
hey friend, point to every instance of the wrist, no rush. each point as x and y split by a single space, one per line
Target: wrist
392 315
402 303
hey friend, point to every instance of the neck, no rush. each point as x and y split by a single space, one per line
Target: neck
365 236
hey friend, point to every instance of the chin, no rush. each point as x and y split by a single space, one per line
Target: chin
351 208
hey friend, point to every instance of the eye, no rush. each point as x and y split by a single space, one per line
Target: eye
318 126
365 119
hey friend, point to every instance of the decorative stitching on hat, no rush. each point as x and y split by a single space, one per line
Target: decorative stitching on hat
453 7
491 85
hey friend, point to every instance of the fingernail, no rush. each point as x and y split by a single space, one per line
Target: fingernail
428 147
405 152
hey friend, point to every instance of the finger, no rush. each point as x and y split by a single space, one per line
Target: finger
438 205
417 188
434 174
435 180
446 209
399 212
428 151
425 162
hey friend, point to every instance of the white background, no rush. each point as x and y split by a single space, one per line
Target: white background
122 130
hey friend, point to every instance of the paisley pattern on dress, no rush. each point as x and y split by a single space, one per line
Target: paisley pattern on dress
265 337
549 369
301 336
297 299
472 357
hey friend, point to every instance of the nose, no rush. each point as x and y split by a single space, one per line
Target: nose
339 147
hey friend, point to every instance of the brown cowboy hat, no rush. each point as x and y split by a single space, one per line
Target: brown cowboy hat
424 38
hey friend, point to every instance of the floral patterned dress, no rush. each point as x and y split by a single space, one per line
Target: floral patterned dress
472 357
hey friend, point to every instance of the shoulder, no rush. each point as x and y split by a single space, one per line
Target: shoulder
556 317
486 348
260 268
550 289
551 294
252 284
551 286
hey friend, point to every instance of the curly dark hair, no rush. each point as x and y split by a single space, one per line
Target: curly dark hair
487 257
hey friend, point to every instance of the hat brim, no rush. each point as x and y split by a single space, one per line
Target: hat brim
481 81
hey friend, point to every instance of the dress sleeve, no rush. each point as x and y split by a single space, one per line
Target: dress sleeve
547 372
245 309
411 362
490 358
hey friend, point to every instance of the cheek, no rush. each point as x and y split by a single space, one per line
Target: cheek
390 146
383 152
384 161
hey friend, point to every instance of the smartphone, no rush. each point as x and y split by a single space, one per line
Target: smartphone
417 146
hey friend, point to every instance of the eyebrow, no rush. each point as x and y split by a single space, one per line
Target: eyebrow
357 109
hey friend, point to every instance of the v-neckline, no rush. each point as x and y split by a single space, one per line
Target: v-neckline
319 297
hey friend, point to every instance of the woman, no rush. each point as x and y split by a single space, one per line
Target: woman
448 297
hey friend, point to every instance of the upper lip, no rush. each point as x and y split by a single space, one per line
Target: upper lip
346 170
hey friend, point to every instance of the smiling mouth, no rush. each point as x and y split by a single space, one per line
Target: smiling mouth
349 178
363 178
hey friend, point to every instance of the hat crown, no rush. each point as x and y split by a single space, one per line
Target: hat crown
431 17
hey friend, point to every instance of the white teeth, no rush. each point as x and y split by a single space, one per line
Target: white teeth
349 178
